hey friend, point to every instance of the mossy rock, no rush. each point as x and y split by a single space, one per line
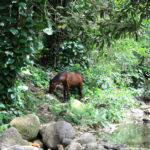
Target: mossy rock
77 106
28 126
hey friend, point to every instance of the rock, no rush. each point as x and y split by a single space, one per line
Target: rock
137 113
49 136
87 138
53 134
113 147
64 130
19 147
142 103
146 120
100 147
144 107
28 126
39 142
94 146
11 137
74 146
60 147
147 112
77 106
66 141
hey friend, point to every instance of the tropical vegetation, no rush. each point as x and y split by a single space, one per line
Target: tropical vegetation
107 41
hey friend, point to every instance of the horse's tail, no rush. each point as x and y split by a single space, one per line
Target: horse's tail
81 76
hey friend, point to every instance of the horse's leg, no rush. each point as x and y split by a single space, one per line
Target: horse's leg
64 95
67 89
64 85
68 95
80 90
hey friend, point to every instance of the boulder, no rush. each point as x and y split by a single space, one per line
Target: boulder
64 130
87 138
19 147
49 136
74 146
66 141
28 126
11 137
77 107
55 133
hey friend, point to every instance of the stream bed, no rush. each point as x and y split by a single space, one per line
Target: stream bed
132 135
133 131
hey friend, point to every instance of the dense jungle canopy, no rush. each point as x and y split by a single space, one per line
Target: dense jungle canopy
106 40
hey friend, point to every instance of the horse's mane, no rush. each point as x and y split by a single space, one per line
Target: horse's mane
56 77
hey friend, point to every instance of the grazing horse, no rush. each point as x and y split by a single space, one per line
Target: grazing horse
68 79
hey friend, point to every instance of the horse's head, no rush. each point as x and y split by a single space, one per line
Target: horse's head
52 86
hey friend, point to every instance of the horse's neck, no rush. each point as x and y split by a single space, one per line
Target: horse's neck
58 81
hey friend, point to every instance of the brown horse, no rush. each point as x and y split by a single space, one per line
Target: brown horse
68 79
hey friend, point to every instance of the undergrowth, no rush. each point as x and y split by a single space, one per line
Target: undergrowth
103 101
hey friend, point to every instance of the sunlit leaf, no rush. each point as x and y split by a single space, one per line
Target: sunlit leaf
48 31
23 87
10 61
2 105
13 31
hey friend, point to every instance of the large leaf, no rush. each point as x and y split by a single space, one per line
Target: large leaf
2 105
10 61
22 4
23 87
14 31
48 31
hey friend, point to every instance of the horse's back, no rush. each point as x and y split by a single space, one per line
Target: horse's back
74 78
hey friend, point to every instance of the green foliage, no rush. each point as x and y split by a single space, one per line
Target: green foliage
2 127
147 90
100 107
102 25
24 98
102 22
36 76
75 36
72 53
16 43
8 112
103 100
87 23
107 83
32 78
